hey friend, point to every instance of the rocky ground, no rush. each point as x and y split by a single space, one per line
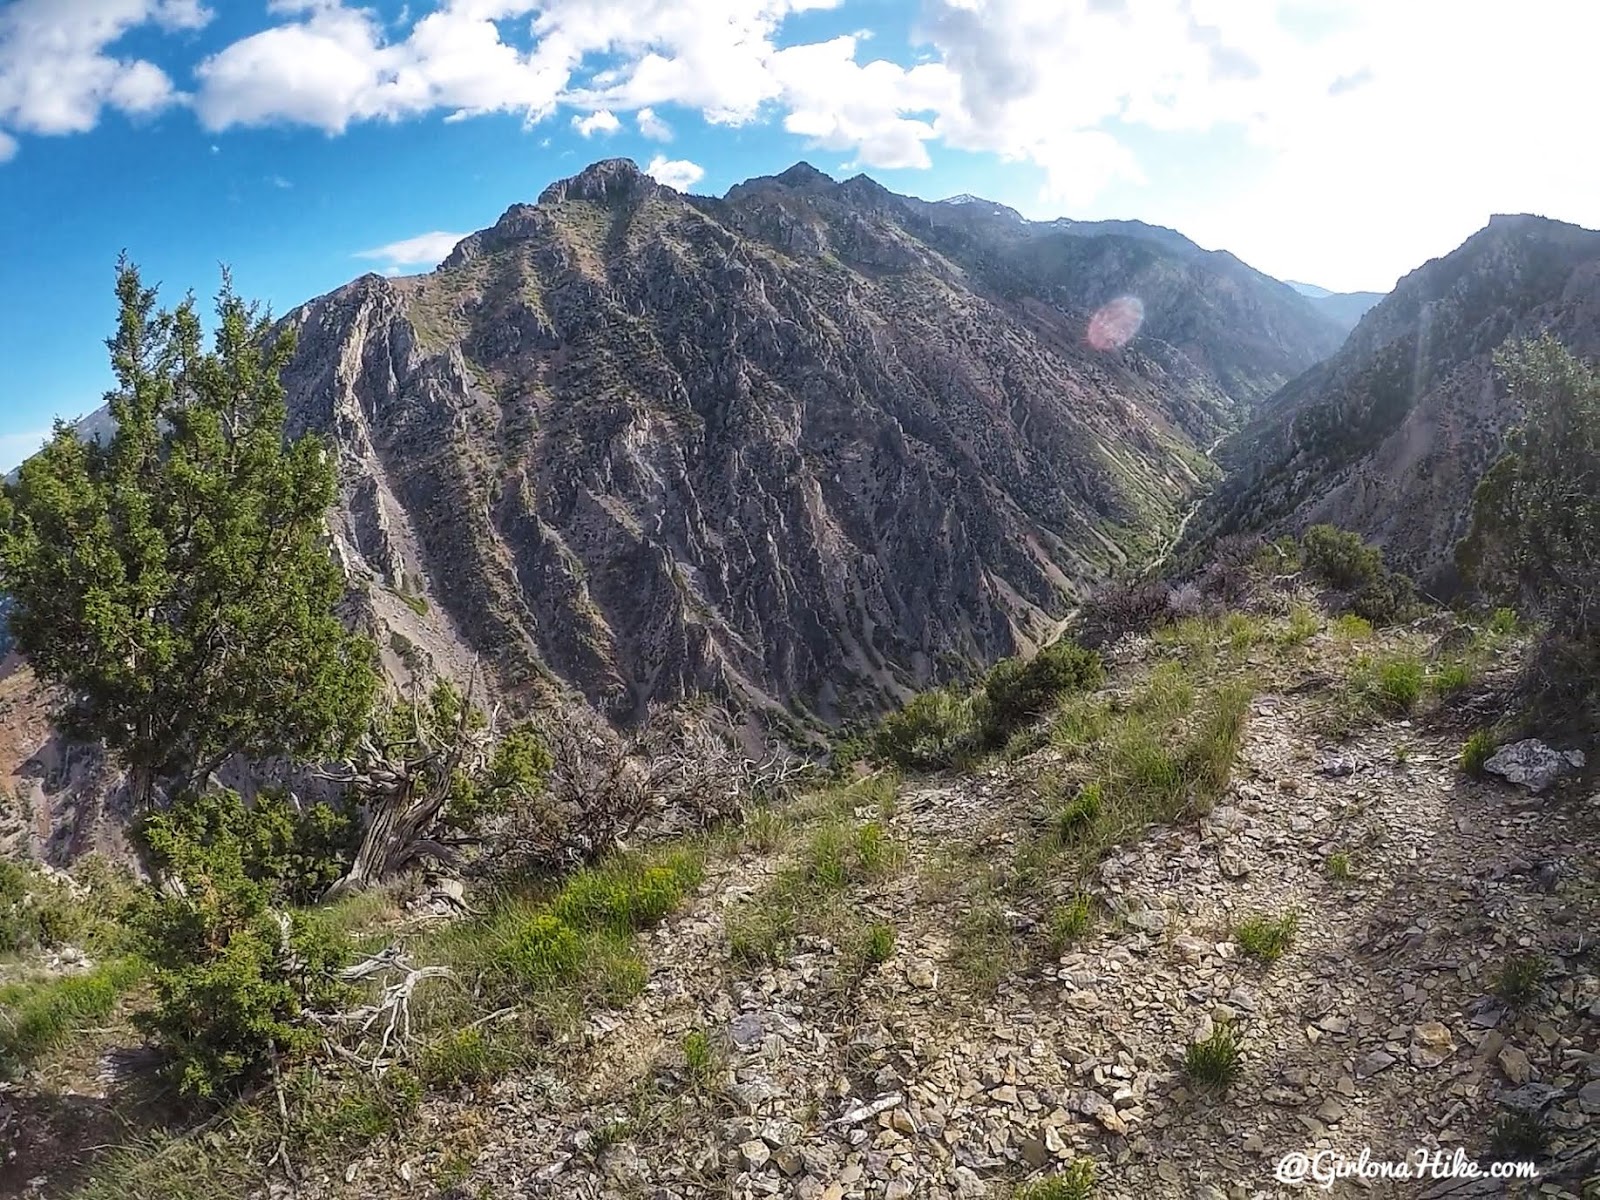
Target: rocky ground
1375 1031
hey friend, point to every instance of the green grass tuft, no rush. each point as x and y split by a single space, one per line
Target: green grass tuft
1396 682
541 951
700 1058
1450 678
1267 938
879 947
38 1017
1503 622
1478 749
1351 628
1070 921
1518 1137
1303 625
1520 978
1077 1182
1079 815
466 1056
1215 1062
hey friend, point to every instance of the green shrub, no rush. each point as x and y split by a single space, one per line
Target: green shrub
1535 536
1079 814
1070 921
879 943
1267 938
1339 558
297 852
1503 622
1343 561
1388 600
1215 1062
1338 867
541 951
699 1057
1303 625
626 894
1392 684
36 912
1451 677
234 980
1478 749
1519 979
934 730
35 1018
1352 628
466 1056
1017 690
1077 1182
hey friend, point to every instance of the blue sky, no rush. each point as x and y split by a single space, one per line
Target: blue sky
302 142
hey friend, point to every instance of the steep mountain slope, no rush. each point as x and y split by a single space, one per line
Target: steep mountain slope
1344 308
811 444
1390 436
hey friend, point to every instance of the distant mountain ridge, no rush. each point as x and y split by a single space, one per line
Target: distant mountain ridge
1390 435
1345 308
811 445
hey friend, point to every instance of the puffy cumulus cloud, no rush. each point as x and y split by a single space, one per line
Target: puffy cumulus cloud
59 70
877 110
677 173
334 65
424 250
1402 125
652 126
604 122
331 64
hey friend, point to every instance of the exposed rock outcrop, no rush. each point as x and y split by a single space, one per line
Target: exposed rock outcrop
1390 436
809 446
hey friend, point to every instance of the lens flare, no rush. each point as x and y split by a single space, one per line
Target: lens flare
1115 324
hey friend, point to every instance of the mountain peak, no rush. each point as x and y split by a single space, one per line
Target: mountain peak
605 182
804 175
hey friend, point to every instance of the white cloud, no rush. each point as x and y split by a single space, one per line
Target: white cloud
334 65
677 173
1336 140
424 250
8 146
59 71
603 122
652 126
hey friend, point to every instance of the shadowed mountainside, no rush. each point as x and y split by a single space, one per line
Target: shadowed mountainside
811 445
1390 436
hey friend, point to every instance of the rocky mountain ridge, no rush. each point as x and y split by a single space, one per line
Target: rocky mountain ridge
1390 435
1347 308
812 445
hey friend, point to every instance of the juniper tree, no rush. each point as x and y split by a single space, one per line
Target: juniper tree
174 577
1535 537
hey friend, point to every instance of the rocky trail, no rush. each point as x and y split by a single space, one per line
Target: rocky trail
1376 1031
